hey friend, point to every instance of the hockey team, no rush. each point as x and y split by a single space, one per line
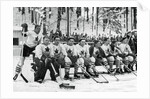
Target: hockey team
116 56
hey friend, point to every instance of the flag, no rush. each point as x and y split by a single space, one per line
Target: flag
63 10
97 12
23 10
28 9
71 8
59 18
92 18
44 29
32 16
78 12
19 9
87 14
50 12
44 13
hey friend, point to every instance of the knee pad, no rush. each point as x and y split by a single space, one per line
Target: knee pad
111 62
104 60
92 61
67 61
126 61
80 61
18 68
130 58
111 58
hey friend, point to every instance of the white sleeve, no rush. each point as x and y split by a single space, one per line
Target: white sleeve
63 49
87 51
51 50
29 33
38 51
40 36
65 46
74 50
77 50
129 49
26 33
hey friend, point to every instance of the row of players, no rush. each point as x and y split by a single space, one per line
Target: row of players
67 55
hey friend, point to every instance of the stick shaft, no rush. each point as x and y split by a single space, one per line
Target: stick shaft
109 71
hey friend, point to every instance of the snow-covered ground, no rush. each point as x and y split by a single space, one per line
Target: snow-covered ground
126 83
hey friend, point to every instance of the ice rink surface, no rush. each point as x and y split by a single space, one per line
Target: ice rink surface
127 82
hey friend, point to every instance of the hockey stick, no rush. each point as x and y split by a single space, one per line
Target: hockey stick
110 72
104 77
92 76
59 80
130 70
24 78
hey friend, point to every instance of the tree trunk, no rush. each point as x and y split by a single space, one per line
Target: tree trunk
126 18
67 21
135 18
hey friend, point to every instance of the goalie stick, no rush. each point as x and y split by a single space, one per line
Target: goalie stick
16 75
24 78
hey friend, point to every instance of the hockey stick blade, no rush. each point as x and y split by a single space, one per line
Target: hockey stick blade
24 78
15 77
66 86
102 81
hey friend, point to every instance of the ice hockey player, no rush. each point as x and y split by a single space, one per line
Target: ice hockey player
126 53
84 57
108 54
71 58
32 40
59 53
43 58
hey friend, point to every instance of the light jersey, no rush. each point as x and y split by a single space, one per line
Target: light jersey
124 48
71 50
58 49
106 49
31 37
82 51
41 48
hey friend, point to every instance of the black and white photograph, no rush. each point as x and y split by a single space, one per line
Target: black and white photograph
75 49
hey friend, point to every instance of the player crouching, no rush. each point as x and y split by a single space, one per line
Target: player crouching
126 54
84 59
43 58
71 58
